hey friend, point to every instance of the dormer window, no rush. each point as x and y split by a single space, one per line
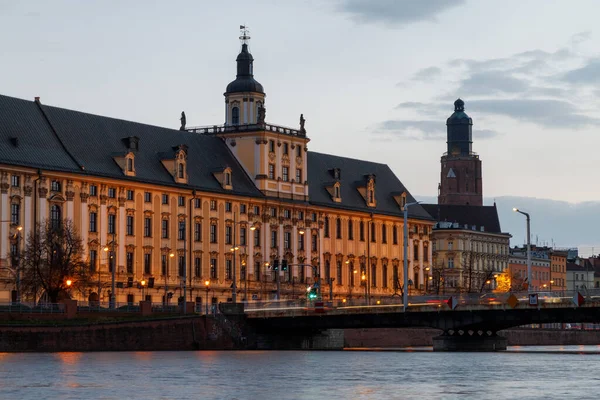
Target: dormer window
176 163
225 179
180 170
401 200
335 192
129 165
126 162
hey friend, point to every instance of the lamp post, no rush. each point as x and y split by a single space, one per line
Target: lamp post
551 282
143 283
405 269
171 255
207 285
112 263
17 260
528 247
363 279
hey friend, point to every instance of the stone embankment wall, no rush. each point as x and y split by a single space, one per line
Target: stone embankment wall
167 334
417 337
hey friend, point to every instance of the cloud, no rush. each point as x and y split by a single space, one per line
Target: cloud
427 73
548 113
396 12
580 37
422 130
492 82
588 74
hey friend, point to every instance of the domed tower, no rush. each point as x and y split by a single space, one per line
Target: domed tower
461 182
244 96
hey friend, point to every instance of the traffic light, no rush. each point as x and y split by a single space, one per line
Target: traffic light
276 265
284 265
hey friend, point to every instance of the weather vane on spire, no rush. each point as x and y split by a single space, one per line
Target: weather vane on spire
245 34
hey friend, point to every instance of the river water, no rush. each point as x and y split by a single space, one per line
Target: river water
520 373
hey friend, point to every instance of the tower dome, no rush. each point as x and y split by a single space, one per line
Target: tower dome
244 81
459 116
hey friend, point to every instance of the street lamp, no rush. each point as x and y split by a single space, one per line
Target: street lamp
17 259
166 300
405 270
207 284
528 247
363 279
143 283
551 282
113 295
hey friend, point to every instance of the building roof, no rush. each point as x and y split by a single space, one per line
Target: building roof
352 175
478 216
64 140
244 81
574 267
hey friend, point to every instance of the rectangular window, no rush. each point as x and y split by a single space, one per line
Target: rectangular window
165 229
111 223
130 225
112 193
14 180
93 190
314 242
350 230
272 146
286 149
383 233
55 186
257 237
165 198
338 228
163 264
213 233
450 246
228 235
181 264
301 215
271 171
181 231
314 217
299 175
197 203
228 269
338 273
373 233
273 239
361 231
148 263
197 232
227 206
395 234
287 213
425 254
213 205
451 263
129 262
257 267
243 233
327 271
15 211
197 267
326 227
181 201
300 242
242 209
285 173
130 195
213 268
147 197
384 282
287 239
273 212
93 260
147 227
256 210
374 275
298 151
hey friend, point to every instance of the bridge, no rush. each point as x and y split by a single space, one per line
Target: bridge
468 322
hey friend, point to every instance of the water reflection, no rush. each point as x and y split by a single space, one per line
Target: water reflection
298 375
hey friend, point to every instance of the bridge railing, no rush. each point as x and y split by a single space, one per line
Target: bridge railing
491 300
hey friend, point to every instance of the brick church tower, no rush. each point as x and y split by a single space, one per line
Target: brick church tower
461 182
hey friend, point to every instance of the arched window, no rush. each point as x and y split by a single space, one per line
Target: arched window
129 164
235 116
55 216
227 179
180 170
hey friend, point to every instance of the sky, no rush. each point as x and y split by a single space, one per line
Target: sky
375 79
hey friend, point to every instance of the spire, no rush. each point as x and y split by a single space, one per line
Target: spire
244 81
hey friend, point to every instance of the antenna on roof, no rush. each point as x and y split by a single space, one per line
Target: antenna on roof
244 34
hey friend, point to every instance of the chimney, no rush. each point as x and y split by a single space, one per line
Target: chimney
37 99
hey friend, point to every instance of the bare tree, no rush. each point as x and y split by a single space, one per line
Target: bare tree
54 255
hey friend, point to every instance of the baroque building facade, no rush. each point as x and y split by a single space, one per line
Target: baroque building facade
209 204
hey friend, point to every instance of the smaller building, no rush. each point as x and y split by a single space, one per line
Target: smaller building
579 276
540 273
558 263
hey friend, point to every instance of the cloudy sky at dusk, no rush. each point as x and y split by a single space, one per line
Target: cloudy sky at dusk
374 79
